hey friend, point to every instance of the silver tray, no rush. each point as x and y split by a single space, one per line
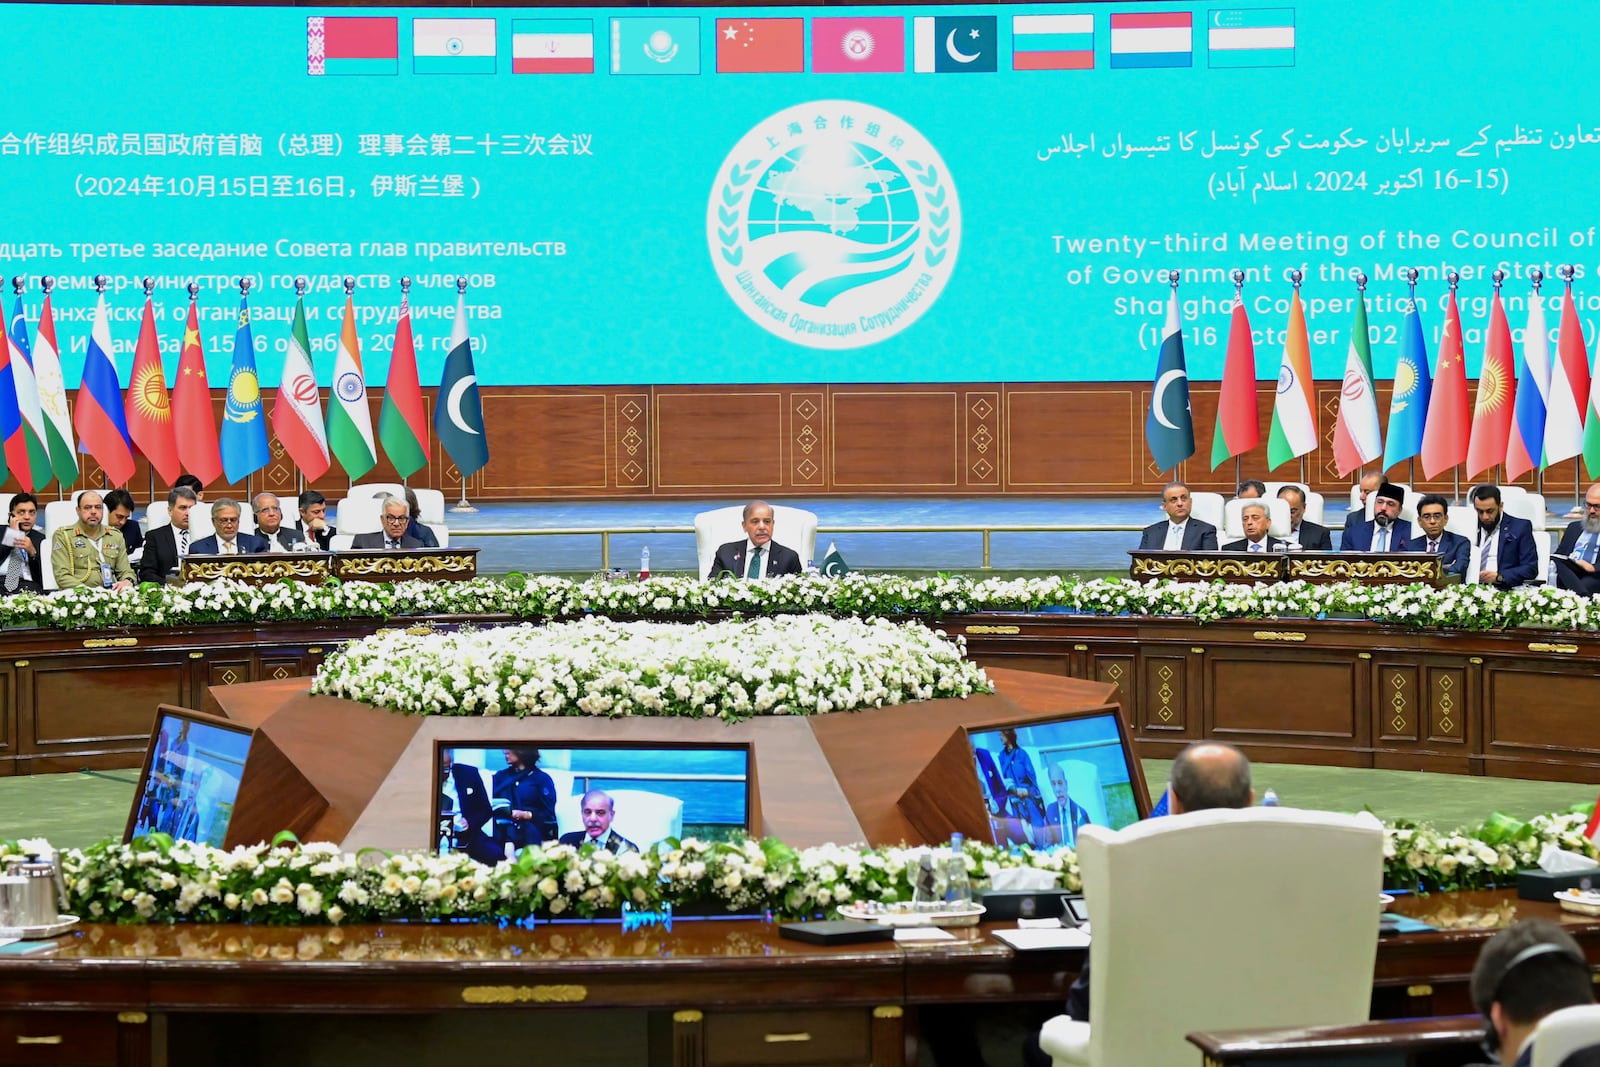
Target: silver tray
33 933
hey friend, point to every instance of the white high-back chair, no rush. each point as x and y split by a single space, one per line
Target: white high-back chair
793 528
1222 920
358 515
1565 1031
1233 522
1316 503
1207 507
430 506
1462 520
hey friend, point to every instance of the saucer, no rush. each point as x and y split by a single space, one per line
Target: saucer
33 933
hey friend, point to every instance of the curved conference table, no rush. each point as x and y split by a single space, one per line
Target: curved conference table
1516 703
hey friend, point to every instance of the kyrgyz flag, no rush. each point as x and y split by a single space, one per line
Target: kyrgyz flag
297 411
1497 390
1294 414
1238 425
402 424
349 418
1169 427
149 408
1357 435
1444 439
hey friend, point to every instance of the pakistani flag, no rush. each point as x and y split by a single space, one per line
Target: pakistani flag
1169 427
459 415
833 564
349 417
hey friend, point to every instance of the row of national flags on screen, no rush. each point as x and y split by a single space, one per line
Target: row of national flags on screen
1529 413
882 44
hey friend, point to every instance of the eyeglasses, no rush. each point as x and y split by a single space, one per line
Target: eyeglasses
261 511
225 520
397 518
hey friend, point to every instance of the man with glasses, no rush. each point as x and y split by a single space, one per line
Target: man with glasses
396 517
1433 511
228 540
269 524
1575 555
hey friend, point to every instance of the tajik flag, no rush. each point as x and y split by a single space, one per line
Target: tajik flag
1294 414
1497 391
349 418
297 412
1569 388
53 398
1357 436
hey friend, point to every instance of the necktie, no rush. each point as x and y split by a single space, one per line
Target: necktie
1433 547
1381 542
183 542
229 548
14 570
1586 547
1257 546
393 544
754 570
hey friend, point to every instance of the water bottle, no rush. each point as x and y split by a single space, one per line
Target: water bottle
958 887
644 564
1269 799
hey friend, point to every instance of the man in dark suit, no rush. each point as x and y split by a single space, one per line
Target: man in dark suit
165 546
465 802
598 811
1369 485
269 524
228 540
1386 531
314 519
1310 536
23 571
119 516
1508 557
396 516
1257 523
758 555
1580 544
1433 511
1063 815
1179 532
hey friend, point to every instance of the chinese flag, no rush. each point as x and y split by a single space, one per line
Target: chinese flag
1497 390
761 46
192 415
149 409
1444 437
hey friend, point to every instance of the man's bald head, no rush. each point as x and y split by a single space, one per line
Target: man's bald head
1210 774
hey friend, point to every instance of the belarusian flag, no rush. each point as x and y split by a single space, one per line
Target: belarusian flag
349 418
1238 425
297 412
53 398
1294 414
402 426
1357 436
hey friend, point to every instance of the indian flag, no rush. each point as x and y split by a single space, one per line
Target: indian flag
552 46
1294 415
452 46
1254 37
349 418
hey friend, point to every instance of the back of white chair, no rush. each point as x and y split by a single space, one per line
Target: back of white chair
793 528
1565 1031
1474 562
1462 520
1541 541
5 506
1530 506
156 516
59 514
378 489
1233 523
1249 879
1207 507
1316 503
340 542
358 514
431 503
200 524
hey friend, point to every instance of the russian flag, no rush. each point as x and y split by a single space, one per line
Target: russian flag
1052 42
1152 39
100 419
1525 447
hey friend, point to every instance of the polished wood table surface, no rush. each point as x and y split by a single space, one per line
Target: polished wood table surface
724 983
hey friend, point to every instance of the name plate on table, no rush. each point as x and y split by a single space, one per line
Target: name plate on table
431 564
1245 567
1370 568
258 568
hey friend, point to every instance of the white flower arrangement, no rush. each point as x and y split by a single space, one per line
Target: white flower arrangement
789 665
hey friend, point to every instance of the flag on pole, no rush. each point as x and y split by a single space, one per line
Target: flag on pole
297 411
1357 435
1592 830
459 416
1169 427
10 417
1569 388
1591 422
349 418
402 423
1294 411
53 396
1445 437
1497 390
149 407
35 451
102 426
244 423
1525 443
1408 403
1238 423
193 419
833 564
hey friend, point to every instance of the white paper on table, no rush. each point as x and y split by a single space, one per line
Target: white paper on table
922 933
1031 939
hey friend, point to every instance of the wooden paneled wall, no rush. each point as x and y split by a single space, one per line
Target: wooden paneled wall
911 439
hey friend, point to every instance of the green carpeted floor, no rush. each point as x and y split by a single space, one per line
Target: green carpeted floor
78 809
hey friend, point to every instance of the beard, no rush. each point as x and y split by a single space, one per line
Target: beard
1382 519
1591 524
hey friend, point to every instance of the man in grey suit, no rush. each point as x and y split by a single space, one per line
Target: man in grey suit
396 517
1179 532
1310 536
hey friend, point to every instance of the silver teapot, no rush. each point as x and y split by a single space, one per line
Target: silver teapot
32 892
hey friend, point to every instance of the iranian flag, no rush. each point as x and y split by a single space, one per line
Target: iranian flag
349 418
1357 436
1294 413
297 411
402 425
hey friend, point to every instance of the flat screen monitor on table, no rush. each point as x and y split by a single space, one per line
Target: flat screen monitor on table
190 779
